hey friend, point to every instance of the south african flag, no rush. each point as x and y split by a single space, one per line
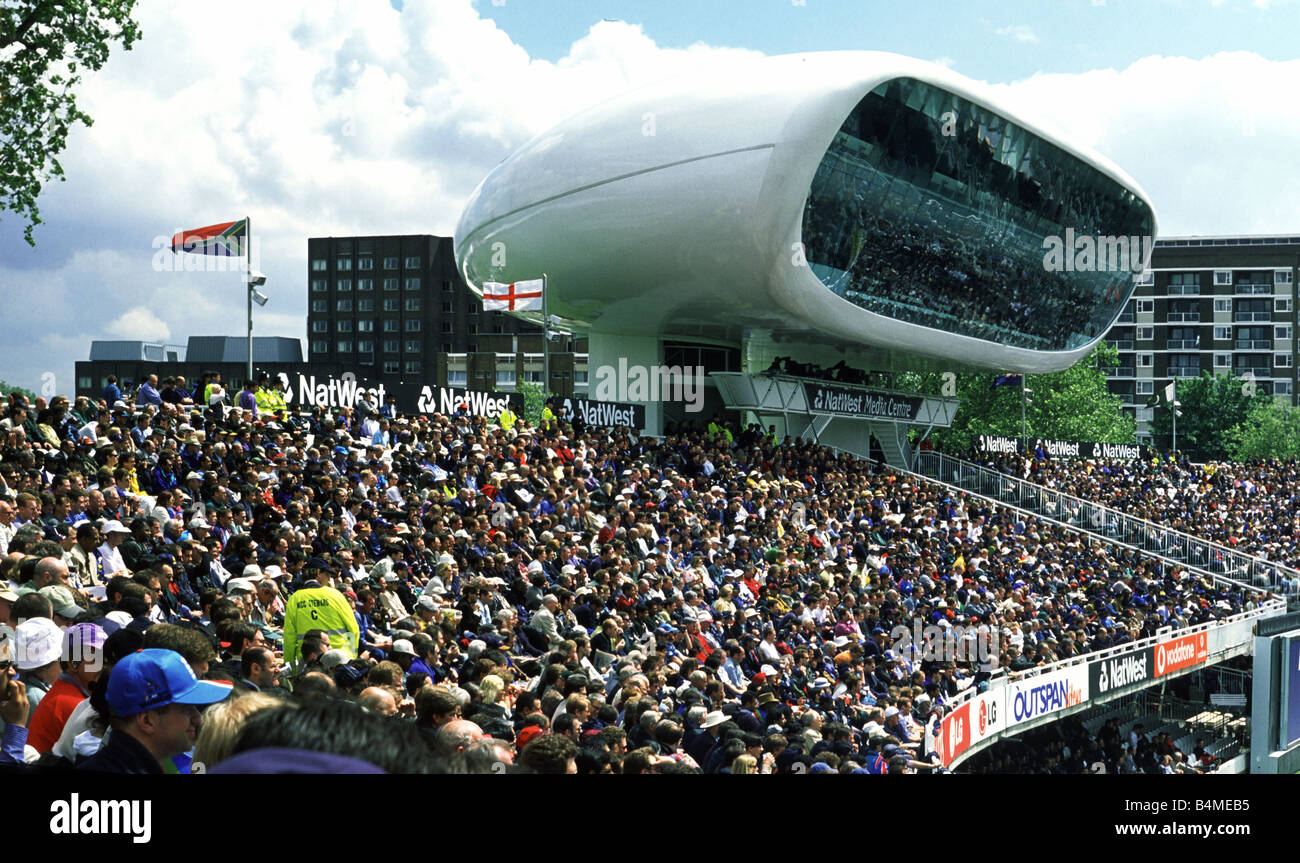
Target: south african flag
228 238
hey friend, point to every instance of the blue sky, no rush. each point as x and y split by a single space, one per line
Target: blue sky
994 41
341 117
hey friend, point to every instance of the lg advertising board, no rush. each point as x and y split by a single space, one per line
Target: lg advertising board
969 724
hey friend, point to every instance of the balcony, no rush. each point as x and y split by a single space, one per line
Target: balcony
1182 344
1125 318
1183 317
1245 289
1122 344
1254 344
1184 290
1184 372
1252 317
1123 372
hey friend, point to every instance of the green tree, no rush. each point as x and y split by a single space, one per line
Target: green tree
1208 407
534 400
7 388
1074 404
1270 430
45 45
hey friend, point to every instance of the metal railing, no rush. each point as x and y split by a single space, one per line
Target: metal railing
1251 317
1181 344
1112 524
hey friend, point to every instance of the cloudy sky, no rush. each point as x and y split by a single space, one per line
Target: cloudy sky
334 117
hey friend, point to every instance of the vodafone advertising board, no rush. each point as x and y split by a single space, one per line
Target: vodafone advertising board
972 722
1179 653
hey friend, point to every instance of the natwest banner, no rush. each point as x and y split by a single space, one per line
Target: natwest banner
1046 694
1183 652
608 414
478 403
828 399
1047 448
1117 672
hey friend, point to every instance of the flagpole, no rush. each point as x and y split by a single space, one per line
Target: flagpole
1024 435
546 344
1173 406
248 287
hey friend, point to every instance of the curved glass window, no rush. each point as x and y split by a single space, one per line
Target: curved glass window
930 209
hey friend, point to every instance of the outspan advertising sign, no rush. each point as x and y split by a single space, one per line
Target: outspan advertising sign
1182 652
1046 694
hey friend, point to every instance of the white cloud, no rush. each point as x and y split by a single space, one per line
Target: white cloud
946 62
1019 33
139 323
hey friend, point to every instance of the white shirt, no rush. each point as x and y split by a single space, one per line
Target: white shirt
112 559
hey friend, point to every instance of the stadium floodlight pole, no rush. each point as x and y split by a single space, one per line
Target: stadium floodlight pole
1173 408
1024 435
248 286
546 344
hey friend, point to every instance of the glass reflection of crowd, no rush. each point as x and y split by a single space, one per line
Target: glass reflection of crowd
897 240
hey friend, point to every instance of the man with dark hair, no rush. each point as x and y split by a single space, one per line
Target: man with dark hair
434 708
550 754
259 670
191 644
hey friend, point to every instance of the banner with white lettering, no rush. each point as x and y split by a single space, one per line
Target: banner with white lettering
1047 448
1180 653
606 414
313 388
1108 675
869 404
970 723
479 403
1046 694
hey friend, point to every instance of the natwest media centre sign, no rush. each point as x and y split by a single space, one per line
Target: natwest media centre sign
1183 652
1046 694
825 399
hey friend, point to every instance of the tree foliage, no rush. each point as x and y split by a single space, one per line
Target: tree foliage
1210 406
45 46
1270 430
534 400
1074 404
7 388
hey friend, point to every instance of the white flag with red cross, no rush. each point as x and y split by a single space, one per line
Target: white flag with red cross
514 297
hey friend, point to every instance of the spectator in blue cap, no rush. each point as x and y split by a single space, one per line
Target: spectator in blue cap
153 699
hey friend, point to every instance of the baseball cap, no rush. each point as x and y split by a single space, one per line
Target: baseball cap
404 646
114 526
37 643
154 678
76 639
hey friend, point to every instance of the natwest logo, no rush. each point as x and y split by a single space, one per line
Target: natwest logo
1182 653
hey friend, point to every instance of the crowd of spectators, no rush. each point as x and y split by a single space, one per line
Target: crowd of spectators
1252 507
360 590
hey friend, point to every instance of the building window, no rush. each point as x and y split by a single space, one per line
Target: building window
318 347
390 284
83 383
391 367
497 329
319 286
392 305
345 326
1221 361
1281 388
1282 332
365 263
1185 283
446 305
579 378
457 378
320 305
1144 361
413 284
414 326
505 377
365 326
1223 305
1222 334
344 306
1281 277
320 326
446 326
532 377
366 347
392 326
319 264
1282 361
1282 304
412 304
345 347
390 264
1146 334
473 329
365 305
391 346
413 367
1223 277
1147 279
365 284
446 347
412 263
1146 306
345 284
414 346
344 265
1144 388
